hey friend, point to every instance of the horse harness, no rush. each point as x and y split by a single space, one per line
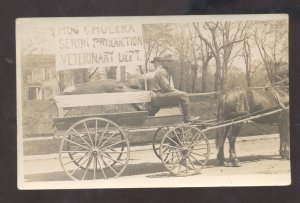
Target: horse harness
243 103
274 91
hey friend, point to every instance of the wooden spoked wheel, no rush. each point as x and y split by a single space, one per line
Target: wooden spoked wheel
94 148
157 139
184 150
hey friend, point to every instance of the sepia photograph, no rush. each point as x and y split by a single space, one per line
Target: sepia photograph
153 102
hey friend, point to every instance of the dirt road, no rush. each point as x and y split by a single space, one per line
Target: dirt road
259 157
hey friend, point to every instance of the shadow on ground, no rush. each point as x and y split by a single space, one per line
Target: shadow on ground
244 159
156 170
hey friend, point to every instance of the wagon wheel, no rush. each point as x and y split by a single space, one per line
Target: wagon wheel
184 150
94 148
157 139
73 147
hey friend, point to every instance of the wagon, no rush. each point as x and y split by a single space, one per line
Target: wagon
97 146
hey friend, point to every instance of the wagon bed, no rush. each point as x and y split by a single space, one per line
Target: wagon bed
97 146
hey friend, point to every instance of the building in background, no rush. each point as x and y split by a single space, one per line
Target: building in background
40 81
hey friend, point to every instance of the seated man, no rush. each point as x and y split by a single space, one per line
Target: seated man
162 86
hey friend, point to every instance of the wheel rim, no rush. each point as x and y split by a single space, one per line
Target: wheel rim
157 140
184 150
94 148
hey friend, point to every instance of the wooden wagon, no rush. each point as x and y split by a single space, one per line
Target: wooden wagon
97 146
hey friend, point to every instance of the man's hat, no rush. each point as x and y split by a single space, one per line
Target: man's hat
163 58
157 58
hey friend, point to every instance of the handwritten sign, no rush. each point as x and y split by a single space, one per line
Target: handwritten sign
102 45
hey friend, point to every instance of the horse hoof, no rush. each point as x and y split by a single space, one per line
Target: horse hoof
287 156
221 163
236 163
281 154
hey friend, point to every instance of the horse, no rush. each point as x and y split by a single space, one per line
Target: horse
244 102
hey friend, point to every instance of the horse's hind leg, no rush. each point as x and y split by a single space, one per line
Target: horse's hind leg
285 143
232 138
284 133
287 146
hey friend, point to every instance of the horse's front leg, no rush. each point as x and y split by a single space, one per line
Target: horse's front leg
232 138
220 156
222 137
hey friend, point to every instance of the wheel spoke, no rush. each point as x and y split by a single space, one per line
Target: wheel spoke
108 138
179 165
79 166
87 167
96 132
102 134
165 157
165 150
186 165
164 131
76 144
192 163
198 154
108 166
95 166
101 168
86 128
197 160
197 142
189 133
105 147
177 136
114 151
195 137
172 157
81 157
173 141
81 137
170 151
171 146
108 157
74 152
183 135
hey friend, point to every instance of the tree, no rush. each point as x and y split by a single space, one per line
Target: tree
251 66
271 38
181 49
220 38
156 41
205 56
193 63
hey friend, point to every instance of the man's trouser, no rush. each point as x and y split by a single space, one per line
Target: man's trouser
183 97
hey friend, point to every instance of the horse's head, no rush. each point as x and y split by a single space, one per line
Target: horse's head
281 79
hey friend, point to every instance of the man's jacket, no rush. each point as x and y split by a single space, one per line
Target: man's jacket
162 81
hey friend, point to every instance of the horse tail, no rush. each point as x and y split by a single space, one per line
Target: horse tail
220 114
